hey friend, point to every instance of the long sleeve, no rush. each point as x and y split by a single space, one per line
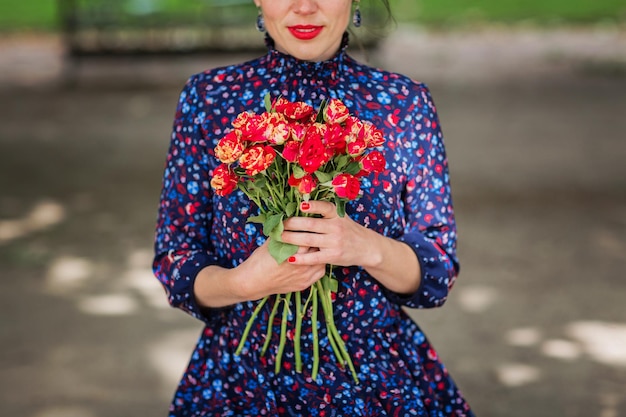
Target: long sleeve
182 242
430 227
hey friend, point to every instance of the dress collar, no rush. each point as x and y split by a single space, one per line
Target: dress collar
285 63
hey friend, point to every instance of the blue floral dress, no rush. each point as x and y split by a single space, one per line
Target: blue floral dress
399 371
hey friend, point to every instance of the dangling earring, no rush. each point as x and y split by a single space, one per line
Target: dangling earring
356 18
260 22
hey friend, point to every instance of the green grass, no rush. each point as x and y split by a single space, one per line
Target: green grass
540 11
28 14
42 14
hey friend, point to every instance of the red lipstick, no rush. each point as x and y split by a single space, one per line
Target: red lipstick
305 32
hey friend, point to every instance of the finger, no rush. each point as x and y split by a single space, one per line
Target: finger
306 224
301 248
325 208
303 239
309 258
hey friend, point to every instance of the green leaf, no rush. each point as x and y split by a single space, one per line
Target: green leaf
256 219
290 210
259 182
333 285
272 223
281 251
268 102
298 171
323 176
320 112
353 168
277 232
342 161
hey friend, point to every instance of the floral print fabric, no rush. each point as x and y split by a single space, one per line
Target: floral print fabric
399 370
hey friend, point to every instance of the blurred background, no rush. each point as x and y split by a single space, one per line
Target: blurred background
532 99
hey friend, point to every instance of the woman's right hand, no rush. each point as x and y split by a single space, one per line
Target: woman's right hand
260 275
255 278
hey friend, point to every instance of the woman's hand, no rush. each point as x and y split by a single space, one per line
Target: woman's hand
336 240
256 277
328 239
341 241
263 276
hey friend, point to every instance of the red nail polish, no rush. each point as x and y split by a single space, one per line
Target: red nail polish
292 259
305 205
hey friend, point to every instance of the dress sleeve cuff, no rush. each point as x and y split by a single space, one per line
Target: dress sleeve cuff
182 293
437 273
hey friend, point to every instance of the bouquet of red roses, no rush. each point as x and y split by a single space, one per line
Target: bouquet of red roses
279 158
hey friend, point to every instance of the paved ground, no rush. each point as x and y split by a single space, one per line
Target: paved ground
536 133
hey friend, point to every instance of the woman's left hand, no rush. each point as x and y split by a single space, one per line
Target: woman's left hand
339 240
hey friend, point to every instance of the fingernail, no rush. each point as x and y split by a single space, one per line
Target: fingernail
305 206
292 259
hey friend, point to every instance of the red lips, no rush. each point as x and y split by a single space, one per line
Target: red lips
305 32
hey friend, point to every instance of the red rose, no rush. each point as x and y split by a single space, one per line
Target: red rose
224 181
257 158
230 147
346 186
335 139
373 162
313 153
305 185
335 111
291 150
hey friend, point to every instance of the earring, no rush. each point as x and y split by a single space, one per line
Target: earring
356 18
260 22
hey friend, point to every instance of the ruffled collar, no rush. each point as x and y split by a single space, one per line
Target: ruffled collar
285 63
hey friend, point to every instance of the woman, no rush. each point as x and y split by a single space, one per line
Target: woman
396 246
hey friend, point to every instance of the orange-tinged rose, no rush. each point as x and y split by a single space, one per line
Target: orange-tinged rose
257 158
373 136
346 186
356 146
230 147
249 124
355 139
224 181
335 111
243 119
298 131
280 103
294 111
305 185
274 128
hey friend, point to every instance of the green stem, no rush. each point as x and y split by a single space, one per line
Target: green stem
342 352
308 300
296 341
276 202
270 324
242 341
316 344
328 318
283 333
